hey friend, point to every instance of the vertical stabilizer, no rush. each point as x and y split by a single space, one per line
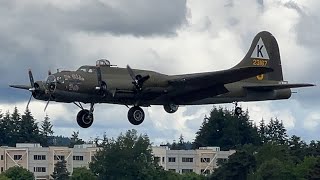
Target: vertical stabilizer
264 52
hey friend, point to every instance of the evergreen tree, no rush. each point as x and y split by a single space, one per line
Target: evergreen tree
297 149
7 129
181 143
226 130
2 129
29 131
46 130
238 166
262 130
276 132
315 172
15 120
60 171
275 169
313 148
75 140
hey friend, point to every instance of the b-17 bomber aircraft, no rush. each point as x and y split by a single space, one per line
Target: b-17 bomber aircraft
258 77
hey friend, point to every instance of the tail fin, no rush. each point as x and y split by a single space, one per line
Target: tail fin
264 51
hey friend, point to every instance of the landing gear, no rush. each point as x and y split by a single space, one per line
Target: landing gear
170 108
136 115
85 117
237 110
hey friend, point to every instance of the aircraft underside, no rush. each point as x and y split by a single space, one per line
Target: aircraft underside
136 114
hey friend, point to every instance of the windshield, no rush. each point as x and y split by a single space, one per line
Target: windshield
87 69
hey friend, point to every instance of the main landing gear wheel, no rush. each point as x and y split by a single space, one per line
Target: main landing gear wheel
85 118
136 115
171 108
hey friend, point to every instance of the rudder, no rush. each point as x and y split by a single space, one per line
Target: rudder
264 51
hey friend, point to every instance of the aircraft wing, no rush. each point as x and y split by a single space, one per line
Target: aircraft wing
266 87
219 77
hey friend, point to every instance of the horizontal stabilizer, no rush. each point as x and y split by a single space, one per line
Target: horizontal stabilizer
26 87
265 87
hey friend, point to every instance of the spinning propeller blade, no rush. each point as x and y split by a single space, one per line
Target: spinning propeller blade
131 73
31 78
29 102
45 108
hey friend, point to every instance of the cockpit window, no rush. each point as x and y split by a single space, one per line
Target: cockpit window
82 69
87 69
91 70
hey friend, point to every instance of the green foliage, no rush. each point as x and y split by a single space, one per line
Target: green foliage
191 176
46 130
28 129
297 149
272 151
60 171
314 173
17 172
15 128
239 165
276 170
276 132
3 177
226 130
75 140
313 148
262 131
181 145
127 157
82 173
305 167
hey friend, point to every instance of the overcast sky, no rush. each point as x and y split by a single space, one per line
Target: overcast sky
169 36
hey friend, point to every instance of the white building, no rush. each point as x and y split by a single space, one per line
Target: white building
41 160
201 161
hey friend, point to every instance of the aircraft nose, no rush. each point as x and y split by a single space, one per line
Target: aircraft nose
51 83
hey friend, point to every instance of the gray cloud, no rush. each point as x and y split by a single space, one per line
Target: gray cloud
38 35
140 18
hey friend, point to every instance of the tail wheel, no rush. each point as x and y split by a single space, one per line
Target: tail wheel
136 115
238 111
171 108
84 118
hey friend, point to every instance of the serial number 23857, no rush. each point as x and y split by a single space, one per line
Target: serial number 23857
259 62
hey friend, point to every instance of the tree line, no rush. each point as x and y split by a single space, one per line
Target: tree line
263 151
16 128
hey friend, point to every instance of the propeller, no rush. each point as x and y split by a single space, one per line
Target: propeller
51 85
39 88
32 89
138 80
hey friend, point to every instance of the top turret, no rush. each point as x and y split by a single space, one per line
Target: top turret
103 62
